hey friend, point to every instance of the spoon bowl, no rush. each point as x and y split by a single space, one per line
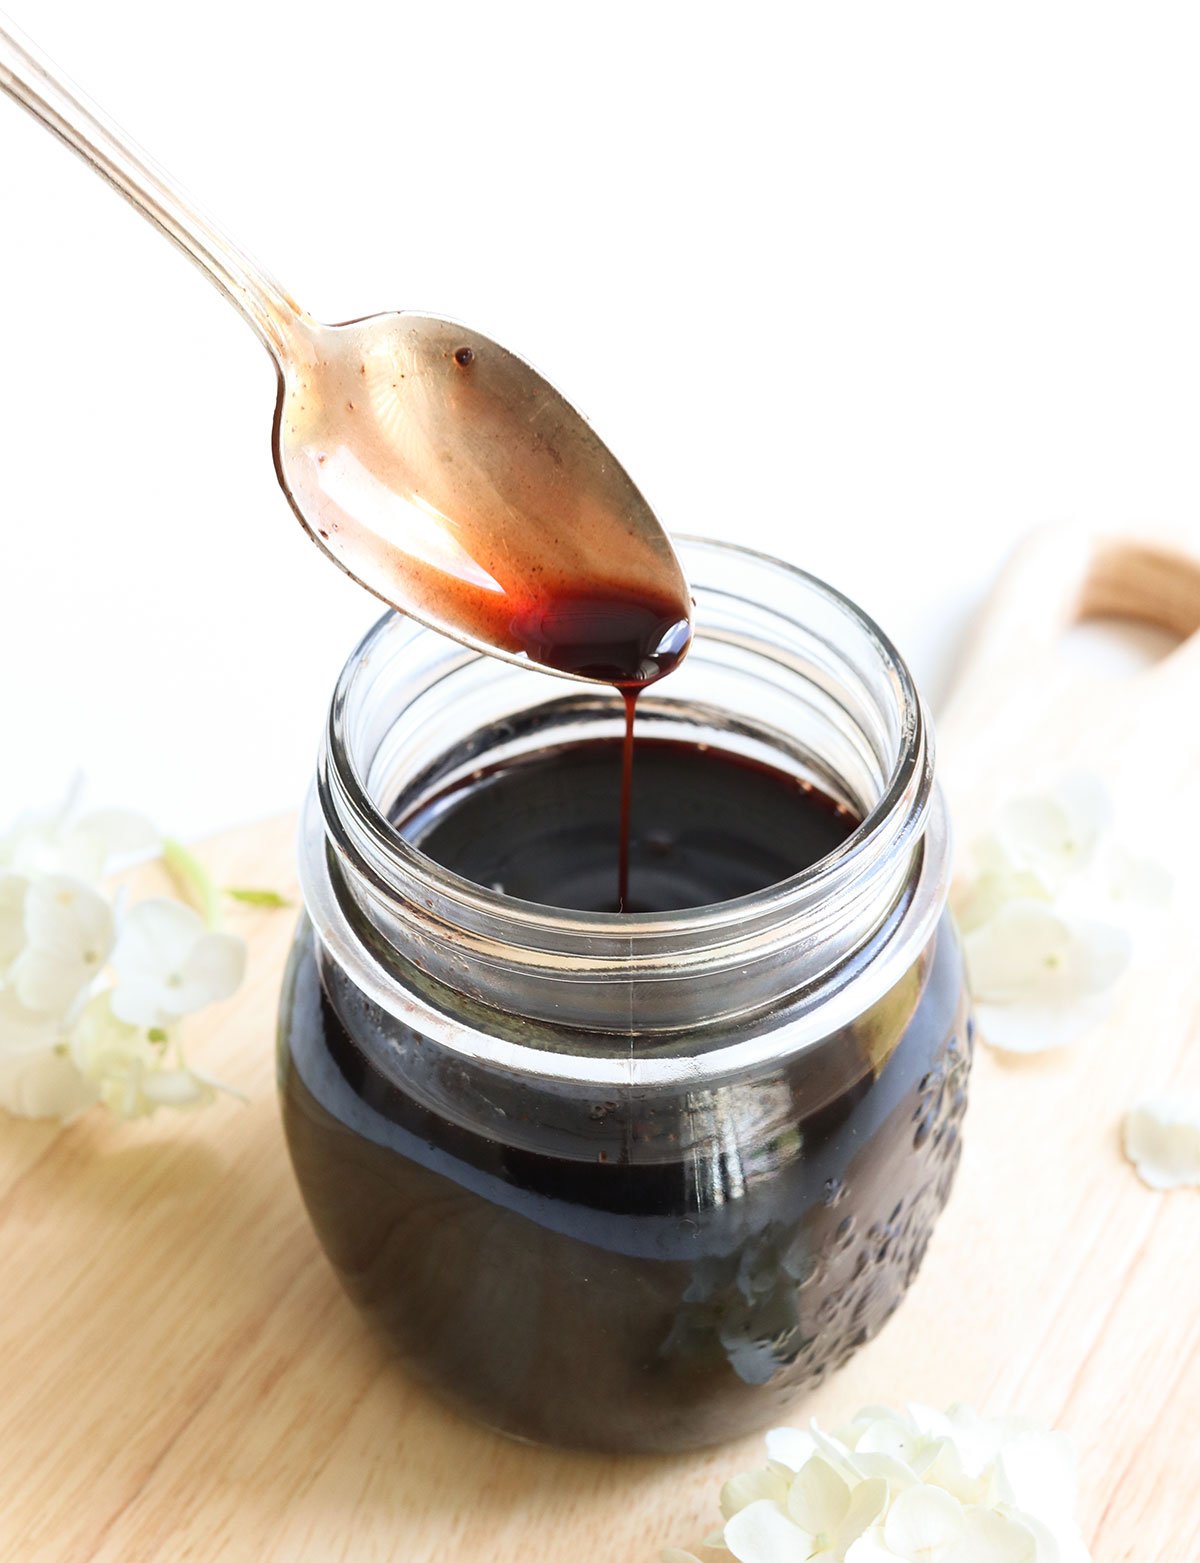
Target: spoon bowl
452 480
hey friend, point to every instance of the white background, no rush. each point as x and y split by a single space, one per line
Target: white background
876 287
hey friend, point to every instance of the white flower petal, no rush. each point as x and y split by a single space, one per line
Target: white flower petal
867 1418
762 1533
1040 978
992 856
175 1088
989 1537
23 1030
67 917
1011 952
1013 1498
891 1435
105 839
741 1491
213 971
157 936
1037 827
1040 1027
868 1502
1030 951
896 1473
1084 798
924 1523
132 1074
47 982
1038 1473
980 1439
987 893
835 1452
819 1499
949 1470
31 845
13 888
101 1041
1138 882
168 964
1060 1543
138 1001
790 1446
1055 833
929 1421
1162 1140
1102 952
43 1084
69 933
870 1548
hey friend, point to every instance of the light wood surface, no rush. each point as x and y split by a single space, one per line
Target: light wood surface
183 1378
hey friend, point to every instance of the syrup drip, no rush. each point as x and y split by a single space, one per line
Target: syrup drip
630 697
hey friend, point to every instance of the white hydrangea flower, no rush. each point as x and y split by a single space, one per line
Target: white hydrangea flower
1137 884
1053 835
64 1046
927 1524
169 964
1049 919
822 1515
913 1486
24 1030
69 932
29 844
1036 974
43 1083
1162 1139
13 889
133 1069
790 1446
61 840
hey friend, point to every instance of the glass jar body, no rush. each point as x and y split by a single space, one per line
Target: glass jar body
629 1182
652 1272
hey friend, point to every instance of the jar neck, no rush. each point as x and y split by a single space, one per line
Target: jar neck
782 667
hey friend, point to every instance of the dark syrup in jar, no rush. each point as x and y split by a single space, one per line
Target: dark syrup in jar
631 1274
706 825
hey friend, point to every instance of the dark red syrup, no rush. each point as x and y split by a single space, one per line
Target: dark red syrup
649 1269
703 825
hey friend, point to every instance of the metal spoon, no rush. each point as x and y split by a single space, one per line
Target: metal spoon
434 466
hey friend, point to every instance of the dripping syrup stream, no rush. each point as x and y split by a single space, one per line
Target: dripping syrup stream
629 696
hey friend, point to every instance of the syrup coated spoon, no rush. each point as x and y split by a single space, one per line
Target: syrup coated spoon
438 469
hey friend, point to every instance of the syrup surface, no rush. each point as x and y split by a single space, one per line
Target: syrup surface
705 825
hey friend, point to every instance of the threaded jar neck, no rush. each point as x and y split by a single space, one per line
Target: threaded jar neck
783 669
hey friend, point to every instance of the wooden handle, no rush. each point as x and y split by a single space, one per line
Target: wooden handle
1020 714
1061 576
1157 583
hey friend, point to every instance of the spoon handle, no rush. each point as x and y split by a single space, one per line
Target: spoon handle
39 86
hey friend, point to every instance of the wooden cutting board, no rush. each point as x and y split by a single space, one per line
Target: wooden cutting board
183 1379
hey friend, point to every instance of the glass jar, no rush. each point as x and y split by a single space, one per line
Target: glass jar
629 1182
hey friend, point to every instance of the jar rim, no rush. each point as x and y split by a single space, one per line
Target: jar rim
420 874
526 986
